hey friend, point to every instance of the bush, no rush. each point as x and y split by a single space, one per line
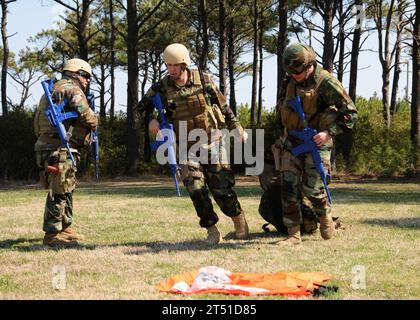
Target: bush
17 157
377 150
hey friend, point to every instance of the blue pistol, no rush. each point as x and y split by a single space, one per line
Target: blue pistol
157 102
308 145
56 115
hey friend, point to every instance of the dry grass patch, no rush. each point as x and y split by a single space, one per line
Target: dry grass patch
138 234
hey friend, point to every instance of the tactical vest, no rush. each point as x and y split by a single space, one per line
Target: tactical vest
320 117
193 105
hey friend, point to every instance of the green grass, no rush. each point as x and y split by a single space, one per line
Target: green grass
138 234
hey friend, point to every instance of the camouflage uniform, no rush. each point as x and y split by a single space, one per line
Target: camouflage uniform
328 107
58 212
202 106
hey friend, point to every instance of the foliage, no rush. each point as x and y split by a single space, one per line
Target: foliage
377 150
17 158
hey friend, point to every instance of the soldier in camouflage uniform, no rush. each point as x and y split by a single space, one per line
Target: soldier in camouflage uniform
330 111
59 173
193 99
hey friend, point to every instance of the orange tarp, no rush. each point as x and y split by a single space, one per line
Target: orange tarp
277 283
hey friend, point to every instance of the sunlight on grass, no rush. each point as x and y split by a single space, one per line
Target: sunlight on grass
137 235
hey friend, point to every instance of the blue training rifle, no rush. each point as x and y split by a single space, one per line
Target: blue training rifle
56 115
157 102
308 145
94 139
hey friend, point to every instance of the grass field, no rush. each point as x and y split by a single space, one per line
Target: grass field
137 234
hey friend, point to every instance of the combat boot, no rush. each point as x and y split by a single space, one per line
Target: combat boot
54 239
241 227
326 226
69 233
309 225
293 236
213 235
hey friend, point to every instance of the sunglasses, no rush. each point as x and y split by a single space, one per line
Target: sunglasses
84 75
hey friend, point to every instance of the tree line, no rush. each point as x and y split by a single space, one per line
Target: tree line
129 36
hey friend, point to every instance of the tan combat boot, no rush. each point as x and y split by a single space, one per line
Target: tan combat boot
54 239
213 235
69 233
293 236
241 227
326 226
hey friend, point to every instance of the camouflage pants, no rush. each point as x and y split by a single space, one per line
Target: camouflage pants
302 186
220 180
59 203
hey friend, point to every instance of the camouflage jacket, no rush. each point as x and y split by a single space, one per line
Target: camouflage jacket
325 101
47 134
186 98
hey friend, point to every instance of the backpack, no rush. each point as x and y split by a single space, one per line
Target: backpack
270 207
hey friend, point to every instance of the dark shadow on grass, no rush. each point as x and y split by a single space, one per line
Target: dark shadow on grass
199 245
157 191
10 243
188 245
350 195
31 245
42 247
409 223
255 235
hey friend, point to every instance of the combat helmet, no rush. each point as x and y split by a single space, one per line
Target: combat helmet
297 57
76 65
176 53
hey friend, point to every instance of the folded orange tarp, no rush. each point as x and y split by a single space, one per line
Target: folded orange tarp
216 280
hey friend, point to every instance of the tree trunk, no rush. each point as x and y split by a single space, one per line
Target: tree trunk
385 96
80 25
222 46
415 93
145 72
397 68
255 66
82 30
102 104
384 55
347 140
355 57
132 88
231 64
202 64
341 42
327 56
260 71
395 79
112 61
281 44
5 64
